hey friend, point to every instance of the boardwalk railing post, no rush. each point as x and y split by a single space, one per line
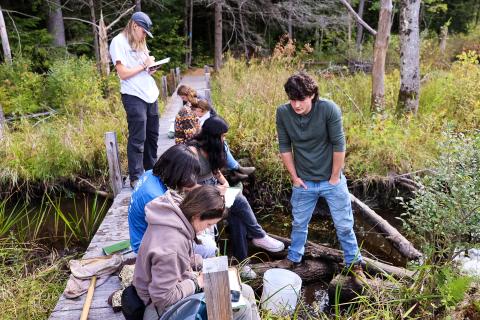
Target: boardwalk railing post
164 88
113 162
208 96
217 288
207 69
178 75
207 80
174 78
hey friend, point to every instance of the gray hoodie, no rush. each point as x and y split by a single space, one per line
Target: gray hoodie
163 270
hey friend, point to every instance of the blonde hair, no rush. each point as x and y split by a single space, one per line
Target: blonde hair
137 45
188 92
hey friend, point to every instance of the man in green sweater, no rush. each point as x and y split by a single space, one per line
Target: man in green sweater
312 148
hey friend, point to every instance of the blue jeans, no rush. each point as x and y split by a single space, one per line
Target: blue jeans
338 199
232 164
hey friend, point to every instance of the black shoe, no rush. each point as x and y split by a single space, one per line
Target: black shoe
246 170
294 265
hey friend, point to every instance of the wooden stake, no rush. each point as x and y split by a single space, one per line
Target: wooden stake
217 288
88 300
208 96
113 162
164 87
207 80
2 123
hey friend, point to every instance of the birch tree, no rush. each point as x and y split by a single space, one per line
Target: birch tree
409 94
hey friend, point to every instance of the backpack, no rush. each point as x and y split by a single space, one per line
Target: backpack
189 308
133 307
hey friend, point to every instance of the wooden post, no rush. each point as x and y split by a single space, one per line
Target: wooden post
207 68
178 75
5 44
217 288
175 84
164 87
208 96
113 162
2 123
207 80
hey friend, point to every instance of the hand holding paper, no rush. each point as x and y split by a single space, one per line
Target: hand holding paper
158 64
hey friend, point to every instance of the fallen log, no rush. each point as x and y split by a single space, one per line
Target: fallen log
404 246
344 288
317 251
309 271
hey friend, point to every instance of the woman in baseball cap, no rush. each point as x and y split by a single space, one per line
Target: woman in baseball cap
131 59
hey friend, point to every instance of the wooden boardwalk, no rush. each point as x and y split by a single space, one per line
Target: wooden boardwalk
114 227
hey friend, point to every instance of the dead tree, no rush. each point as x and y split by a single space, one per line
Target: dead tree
218 34
379 55
93 19
358 41
409 94
138 5
55 22
5 44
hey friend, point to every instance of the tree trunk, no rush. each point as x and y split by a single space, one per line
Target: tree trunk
242 31
443 39
55 23
290 26
379 55
190 35
138 5
310 271
185 29
218 34
103 41
358 42
404 246
5 44
93 19
349 27
409 94
318 251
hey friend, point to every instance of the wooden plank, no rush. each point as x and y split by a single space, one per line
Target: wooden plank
175 81
113 162
217 288
178 75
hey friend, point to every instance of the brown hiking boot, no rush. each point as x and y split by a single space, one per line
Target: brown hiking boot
246 170
357 275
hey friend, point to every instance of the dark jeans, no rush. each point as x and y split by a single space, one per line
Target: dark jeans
143 126
242 224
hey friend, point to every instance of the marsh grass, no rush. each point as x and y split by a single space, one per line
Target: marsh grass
31 279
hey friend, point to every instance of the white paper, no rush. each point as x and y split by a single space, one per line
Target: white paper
157 64
230 196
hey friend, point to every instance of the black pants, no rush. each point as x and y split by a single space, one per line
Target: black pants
143 122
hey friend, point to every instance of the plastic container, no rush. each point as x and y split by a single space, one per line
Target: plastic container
281 289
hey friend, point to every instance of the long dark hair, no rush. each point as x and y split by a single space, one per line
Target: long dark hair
210 140
177 167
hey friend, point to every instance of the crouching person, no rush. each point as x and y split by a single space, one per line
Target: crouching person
163 271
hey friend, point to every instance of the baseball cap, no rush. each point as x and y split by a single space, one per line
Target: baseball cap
143 21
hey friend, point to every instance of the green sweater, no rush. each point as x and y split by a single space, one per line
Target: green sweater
312 138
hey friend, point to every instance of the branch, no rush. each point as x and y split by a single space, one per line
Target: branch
357 17
120 17
81 20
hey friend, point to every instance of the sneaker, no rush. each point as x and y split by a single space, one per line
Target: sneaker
246 170
247 273
269 244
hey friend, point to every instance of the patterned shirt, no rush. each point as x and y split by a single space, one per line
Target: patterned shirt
186 125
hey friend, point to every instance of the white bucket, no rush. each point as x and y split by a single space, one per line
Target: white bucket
281 289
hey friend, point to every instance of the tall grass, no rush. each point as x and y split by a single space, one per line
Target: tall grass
69 143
